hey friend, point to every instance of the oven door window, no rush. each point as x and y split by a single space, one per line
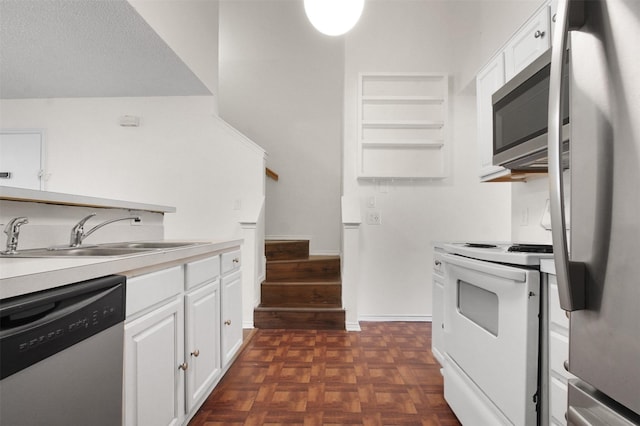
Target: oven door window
479 305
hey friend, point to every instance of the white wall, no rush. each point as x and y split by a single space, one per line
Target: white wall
395 268
190 29
281 85
278 80
528 202
182 155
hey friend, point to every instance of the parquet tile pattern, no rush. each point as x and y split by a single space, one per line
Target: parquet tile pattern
383 375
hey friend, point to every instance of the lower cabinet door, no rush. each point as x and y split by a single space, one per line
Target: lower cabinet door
231 316
154 376
202 346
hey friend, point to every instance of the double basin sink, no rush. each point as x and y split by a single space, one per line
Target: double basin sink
108 249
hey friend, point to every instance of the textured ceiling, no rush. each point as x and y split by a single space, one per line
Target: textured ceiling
86 48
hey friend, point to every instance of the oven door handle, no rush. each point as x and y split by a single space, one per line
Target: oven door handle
570 275
495 269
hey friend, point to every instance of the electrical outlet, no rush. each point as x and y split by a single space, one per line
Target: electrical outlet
371 201
524 217
135 222
374 217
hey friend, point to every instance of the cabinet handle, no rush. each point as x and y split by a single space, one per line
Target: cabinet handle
438 263
566 365
236 260
553 18
183 366
195 353
227 322
538 34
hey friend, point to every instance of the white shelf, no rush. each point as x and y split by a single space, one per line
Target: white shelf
403 99
402 125
399 144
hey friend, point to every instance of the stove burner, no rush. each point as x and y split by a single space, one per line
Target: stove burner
531 248
479 245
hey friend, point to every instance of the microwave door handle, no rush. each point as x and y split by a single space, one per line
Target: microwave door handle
570 275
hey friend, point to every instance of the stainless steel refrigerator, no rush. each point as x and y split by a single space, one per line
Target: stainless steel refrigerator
599 277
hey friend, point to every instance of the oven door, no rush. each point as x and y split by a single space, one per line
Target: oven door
491 341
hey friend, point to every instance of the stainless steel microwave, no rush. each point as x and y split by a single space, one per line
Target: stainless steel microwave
520 113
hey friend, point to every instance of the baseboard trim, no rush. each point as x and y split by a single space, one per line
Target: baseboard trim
395 318
352 326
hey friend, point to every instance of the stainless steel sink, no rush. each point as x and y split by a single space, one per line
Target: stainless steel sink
79 251
103 250
150 244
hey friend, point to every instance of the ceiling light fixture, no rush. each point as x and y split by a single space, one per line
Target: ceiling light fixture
333 17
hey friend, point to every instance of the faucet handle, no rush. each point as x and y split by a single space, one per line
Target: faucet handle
13 231
13 226
84 220
77 232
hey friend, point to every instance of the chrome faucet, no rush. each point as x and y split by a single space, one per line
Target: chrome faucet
13 232
78 234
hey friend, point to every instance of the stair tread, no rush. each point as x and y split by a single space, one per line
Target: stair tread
312 258
300 290
299 309
310 281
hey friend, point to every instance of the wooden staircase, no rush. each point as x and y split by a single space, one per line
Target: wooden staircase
300 291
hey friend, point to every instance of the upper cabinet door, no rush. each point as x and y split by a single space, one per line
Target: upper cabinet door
489 79
21 159
533 39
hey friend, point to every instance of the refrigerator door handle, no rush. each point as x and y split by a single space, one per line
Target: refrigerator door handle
570 15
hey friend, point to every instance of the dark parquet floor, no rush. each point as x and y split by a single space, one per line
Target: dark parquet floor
383 375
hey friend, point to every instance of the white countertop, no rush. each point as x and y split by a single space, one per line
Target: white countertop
30 195
498 252
26 275
548 266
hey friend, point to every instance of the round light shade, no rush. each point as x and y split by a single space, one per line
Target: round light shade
333 17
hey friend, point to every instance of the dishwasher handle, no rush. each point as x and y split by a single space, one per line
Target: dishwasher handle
35 327
41 315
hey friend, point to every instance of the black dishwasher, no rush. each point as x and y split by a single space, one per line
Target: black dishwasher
61 355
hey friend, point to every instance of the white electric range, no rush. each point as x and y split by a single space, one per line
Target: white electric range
492 308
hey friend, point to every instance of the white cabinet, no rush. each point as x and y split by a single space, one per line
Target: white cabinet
202 342
488 80
21 159
437 322
231 306
558 376
531 41
527 44
176 348
153 380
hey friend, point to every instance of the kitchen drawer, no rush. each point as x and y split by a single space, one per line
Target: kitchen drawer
559 353
556 313
231 261
147 290
557 401
202 271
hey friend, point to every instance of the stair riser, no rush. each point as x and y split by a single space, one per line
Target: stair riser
286 250
295 271
299 320
301 295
